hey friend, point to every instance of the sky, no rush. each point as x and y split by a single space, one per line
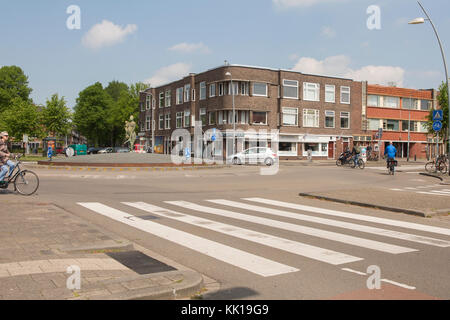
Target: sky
156 41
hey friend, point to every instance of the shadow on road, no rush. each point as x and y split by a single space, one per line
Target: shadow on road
230 294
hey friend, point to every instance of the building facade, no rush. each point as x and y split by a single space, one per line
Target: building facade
319 113
402 114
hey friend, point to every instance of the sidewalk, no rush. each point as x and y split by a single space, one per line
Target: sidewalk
39 242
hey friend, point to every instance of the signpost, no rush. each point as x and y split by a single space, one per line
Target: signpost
438 116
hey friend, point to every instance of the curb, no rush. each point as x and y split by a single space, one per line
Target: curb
368 205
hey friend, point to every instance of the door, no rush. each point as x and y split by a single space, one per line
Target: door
331 150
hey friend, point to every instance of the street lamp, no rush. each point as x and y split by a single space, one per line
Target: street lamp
420 21
228 74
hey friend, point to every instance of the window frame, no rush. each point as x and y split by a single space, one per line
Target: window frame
316 118
290 86
161 100
305 90
327 116
161 118
349 118
257 94
212 93
167 120
180 94
349 94
283 113
168 98
203 89
327 86
187 93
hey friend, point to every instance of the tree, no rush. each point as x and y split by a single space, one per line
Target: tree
13 84
114 89
443 103
22 118
91 113
56 116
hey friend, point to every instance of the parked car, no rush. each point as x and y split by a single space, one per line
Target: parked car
93 150
254 156
121 150
106 150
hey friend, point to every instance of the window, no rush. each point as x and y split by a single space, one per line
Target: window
168 98
187 118
423 127
202 90
330 119
410 104
235 88
311 91
203 116
167 121
260 89
374 124
147 122
414 126
345 120
330 93
260 118
212 90
212 117
391 125
426 105
142 127
220 89
161 122
148 101
287 148
310 118
179 122
391 102
290 89
193 94
374 101
187 93
179 96
161 99
345 95
244 88
290 116
230 117
244 117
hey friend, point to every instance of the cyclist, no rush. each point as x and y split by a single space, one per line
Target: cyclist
391 152
5 163
355 153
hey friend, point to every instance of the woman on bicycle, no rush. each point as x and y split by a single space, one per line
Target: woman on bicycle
6 164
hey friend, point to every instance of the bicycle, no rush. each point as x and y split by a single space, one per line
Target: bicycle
25 182
360 163
440 164
391 166
373 156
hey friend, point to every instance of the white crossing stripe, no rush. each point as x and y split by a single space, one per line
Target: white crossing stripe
356 241
340 224
241 259
402 224
434 194
384 280
441 191
298 248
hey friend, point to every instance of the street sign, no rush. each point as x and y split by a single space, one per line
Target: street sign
187 153
438 115
437 126
213 138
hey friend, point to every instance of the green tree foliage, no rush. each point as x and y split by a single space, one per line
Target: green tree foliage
13 84
91 114
443 103
56 117
114 89
22 118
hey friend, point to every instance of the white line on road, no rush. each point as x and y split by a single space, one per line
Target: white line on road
340 224
334 236
398 284
390 222
434 194
298 248
241 259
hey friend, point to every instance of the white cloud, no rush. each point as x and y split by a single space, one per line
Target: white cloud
190 48
169 73
328 32
294 57
106 34
302 3
340 66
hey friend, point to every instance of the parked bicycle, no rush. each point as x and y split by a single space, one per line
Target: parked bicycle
25 182
373 156
438 165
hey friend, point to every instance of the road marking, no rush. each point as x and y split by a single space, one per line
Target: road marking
440 191
298 248
396 189
341 224
241 259
334 236
403 224
434 194
398 284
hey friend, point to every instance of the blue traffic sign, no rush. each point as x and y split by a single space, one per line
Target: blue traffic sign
187 152
437 126
438 115
213 138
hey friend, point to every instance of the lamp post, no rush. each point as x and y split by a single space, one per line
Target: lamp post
420 21
228 74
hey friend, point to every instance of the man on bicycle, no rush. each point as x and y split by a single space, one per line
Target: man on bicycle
391 152
355 153
6 164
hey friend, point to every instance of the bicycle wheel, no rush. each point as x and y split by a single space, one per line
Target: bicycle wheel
26 183
339 163
430 167
361 164
442 168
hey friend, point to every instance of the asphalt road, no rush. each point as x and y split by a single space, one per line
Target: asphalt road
290 249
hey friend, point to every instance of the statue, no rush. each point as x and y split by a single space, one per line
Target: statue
130 132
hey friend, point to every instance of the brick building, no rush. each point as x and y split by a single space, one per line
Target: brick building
392 109
311 112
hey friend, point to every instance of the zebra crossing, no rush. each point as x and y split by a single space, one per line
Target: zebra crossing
428 190
268 213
